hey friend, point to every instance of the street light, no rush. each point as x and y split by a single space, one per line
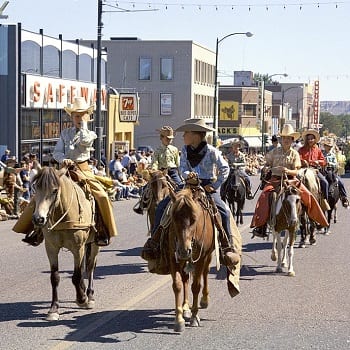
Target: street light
263 148
215 118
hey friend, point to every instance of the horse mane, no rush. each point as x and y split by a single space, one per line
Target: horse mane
46 179
185 205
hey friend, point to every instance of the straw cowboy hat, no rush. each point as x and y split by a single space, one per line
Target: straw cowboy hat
195 124
288 130
311 132
79 105
166 131
328 141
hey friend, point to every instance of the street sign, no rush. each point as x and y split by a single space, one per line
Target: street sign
316 126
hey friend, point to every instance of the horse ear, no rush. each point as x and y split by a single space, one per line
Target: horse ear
172 194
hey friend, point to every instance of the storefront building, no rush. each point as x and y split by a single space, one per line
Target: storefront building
39 76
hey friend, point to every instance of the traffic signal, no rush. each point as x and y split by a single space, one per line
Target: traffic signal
265 139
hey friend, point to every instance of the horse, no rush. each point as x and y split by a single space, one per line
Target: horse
285 213
307 226
333 195
66 216
192 239
234 191
155 191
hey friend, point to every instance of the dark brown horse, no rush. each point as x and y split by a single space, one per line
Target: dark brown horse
65 215
190 246
286 209
156 190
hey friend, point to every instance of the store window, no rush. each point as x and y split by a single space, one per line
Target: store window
51 61
51 124
30 57
85 67
145 66
166 69
166 104
30 124
69 65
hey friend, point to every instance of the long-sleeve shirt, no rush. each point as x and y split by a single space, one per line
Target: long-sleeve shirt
311 155
213 165
74 144
166 156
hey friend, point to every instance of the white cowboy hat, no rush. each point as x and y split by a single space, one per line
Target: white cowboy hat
288 130
311 132
328 141
167 131
236 142
79 105
195 124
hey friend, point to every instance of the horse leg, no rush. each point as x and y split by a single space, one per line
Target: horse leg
90 265
52 253
279 252
177 287
291 237
196 286
284 248
186 302
335 214
205 293
274 251
78 278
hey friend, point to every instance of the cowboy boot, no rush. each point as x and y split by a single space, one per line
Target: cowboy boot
229 255
34 238
138 208
151 249
260 231
344 202
249 194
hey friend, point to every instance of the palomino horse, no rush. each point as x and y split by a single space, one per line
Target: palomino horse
307 226
234 191
65 215
286 208
191 237
155 191
333 195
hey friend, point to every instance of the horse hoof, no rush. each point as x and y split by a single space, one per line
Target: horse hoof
90 304
195 321
179 327
83 305
279 269
187 314
53 316
302 245
283 264
291 274
273 257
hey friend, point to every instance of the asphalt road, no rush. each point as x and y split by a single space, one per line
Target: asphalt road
134 308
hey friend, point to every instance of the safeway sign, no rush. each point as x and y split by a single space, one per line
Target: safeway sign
128 107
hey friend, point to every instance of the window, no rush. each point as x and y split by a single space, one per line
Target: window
166 69
30 124
51 61
30 57
166 104
51 124
85 67
249 110
145 68
69 65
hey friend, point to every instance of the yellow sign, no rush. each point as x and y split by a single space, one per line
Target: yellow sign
228 131
228 110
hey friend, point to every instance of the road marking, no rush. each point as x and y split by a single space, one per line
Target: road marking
129 305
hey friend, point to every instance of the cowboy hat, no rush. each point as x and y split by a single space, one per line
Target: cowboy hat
166 131
328 141
236 142
288 130
195 124
311 132
79 105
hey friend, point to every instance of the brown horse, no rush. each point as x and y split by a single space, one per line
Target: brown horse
65 215
156 190
286 209
190 246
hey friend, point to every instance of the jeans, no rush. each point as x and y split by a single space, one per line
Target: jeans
324 184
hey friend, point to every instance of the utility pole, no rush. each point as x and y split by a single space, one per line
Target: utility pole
98 128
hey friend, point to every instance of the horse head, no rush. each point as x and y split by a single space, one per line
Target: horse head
159 185
185 215
46 186
288 207
234 179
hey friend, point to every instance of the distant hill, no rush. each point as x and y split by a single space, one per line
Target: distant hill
335 107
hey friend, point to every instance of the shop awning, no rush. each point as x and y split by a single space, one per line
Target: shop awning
255 141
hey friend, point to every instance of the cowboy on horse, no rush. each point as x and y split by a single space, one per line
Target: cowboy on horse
332 162
199 163
236 157
284 161
73 149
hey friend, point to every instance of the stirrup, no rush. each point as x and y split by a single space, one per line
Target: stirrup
34 238
150 250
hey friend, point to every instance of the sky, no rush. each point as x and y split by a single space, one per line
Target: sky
308 40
